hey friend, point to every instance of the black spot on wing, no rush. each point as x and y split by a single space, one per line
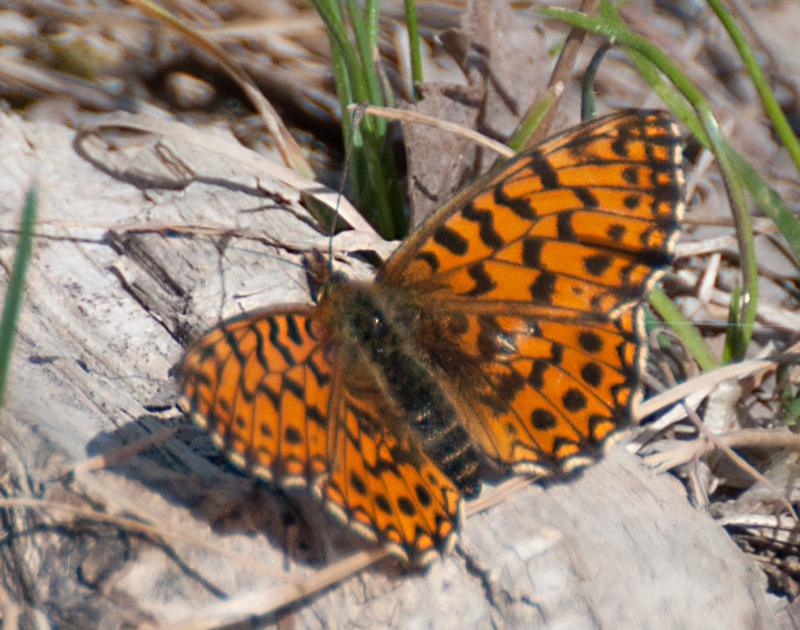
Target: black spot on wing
564 227
532 252
543 419
292 435
574 400
536 375
592 374
483 281
616 231
590 341
485 220
451 240
382 503
541 166
542 289
632 201
357 483
292 330
423 496
406 506
430 259
521 206
597 264
586 197
631 175
276 340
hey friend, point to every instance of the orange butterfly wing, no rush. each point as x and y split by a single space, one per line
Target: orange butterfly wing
530 278
260 384
380 482
271 390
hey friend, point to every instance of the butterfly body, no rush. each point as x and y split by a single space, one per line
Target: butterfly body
506 328
382 333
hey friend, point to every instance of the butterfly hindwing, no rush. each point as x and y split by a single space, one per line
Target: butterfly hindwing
270 389
537 395
381 482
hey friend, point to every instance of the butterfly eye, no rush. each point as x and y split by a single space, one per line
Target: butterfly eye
373 326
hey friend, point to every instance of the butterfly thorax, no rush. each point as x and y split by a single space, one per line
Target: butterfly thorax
376 335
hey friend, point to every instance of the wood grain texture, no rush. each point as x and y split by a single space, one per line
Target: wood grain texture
617 547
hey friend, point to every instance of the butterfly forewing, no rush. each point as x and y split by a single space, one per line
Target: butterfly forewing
505 324
579 223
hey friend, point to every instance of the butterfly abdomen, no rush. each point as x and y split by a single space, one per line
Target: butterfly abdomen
383 330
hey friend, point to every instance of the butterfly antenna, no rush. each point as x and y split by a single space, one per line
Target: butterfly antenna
357 115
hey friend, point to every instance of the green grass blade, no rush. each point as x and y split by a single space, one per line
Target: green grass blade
611 26
774 111
373 184
683 328
588 105
16 286
416 53
533 117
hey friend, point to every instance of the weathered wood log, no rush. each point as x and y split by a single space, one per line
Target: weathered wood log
102 324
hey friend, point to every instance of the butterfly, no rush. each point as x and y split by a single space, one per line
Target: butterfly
504 333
